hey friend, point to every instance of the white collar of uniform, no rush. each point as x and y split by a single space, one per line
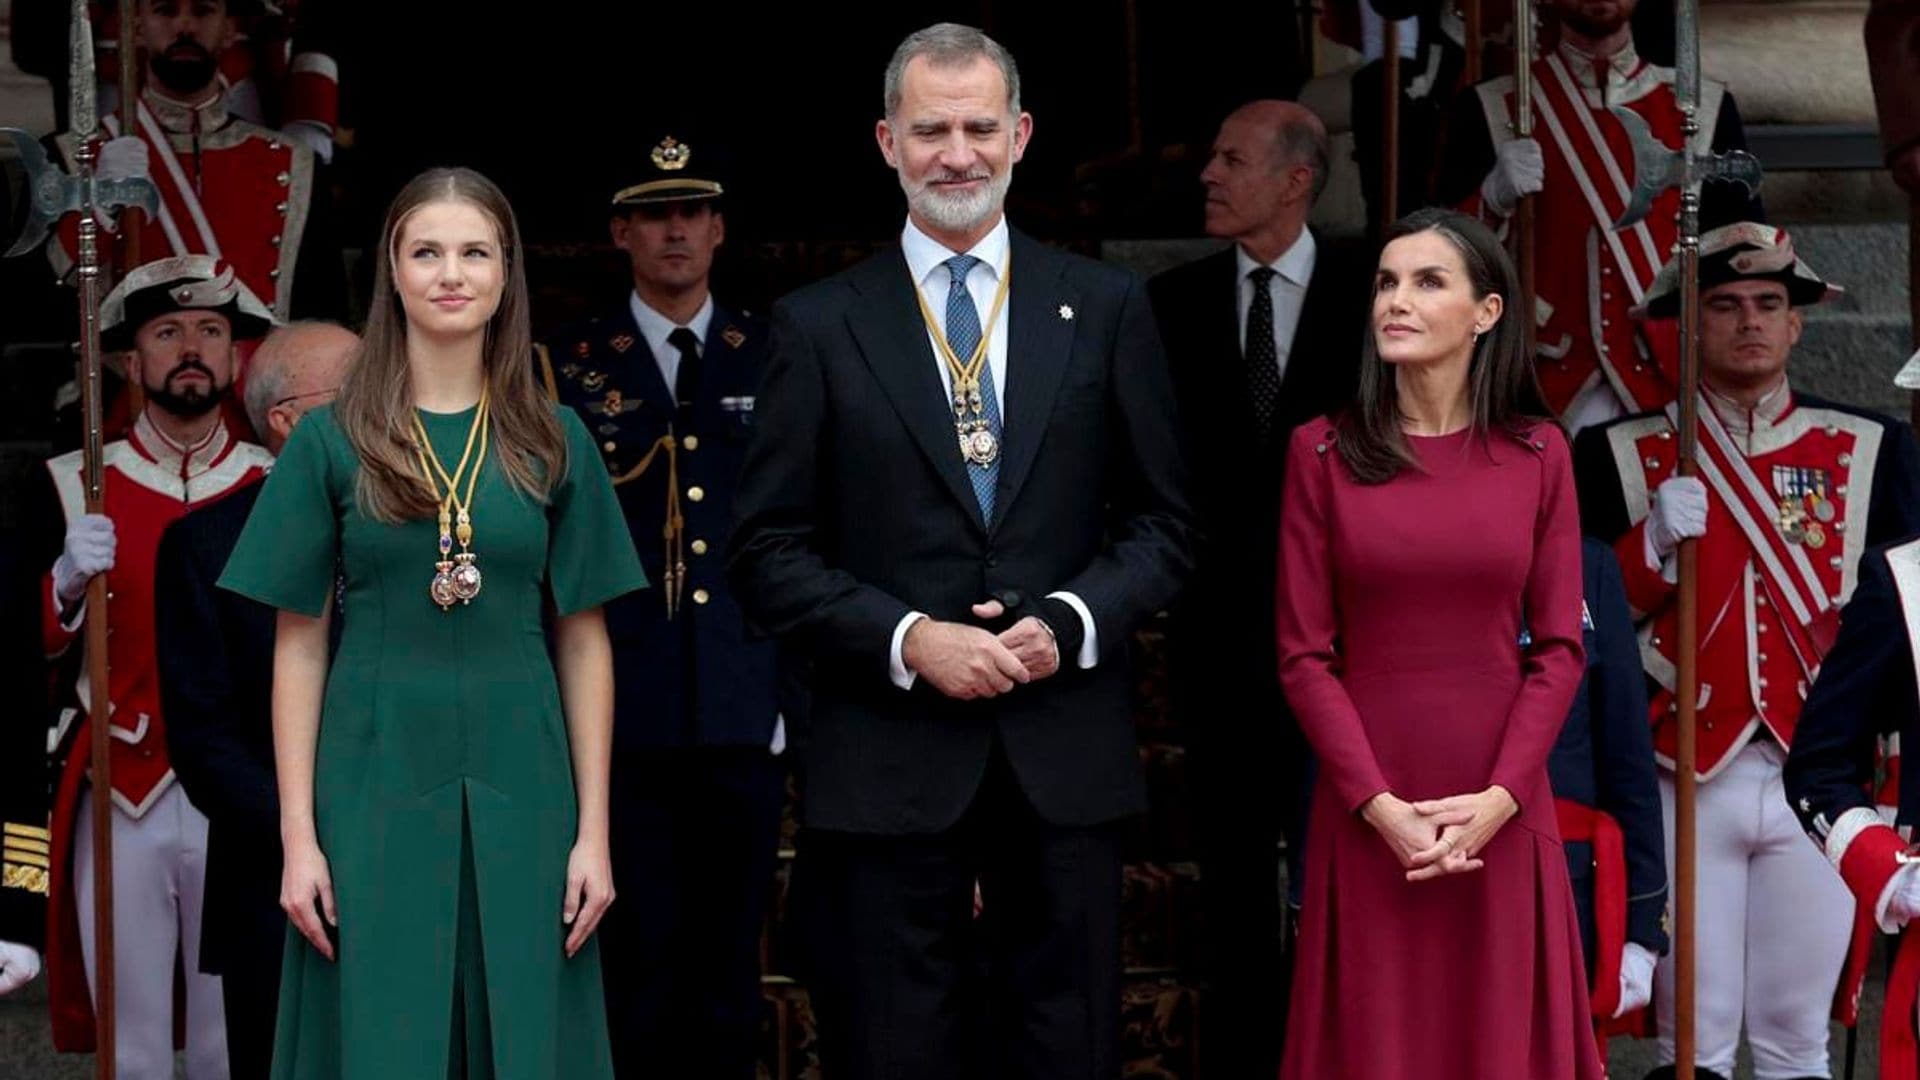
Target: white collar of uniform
1742 422
185 462
924 254
177 116
1583 66
1294 264
657 328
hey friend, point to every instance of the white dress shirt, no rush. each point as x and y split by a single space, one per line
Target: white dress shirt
655 328
926 261
1288 287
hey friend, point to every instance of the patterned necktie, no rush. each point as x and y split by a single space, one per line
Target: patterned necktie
963 336
686 377
1263 363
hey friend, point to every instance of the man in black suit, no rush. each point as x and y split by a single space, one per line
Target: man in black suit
216 684
1261 337
964 494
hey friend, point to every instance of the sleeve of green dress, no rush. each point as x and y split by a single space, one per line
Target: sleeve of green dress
287 553
590 554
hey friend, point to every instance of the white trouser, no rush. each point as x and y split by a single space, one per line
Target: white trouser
159 877
1772 925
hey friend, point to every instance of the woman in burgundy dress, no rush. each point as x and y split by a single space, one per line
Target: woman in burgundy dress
1422 528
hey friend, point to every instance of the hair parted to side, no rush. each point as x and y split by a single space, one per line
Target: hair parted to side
949 45
375 406
1501 386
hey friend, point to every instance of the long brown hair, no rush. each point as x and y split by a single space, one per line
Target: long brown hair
375 406
1501 386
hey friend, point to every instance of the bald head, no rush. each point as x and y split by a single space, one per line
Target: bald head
298 367
1268 165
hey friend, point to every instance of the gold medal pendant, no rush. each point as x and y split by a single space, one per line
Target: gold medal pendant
1814 536
979 446
456 579
442 589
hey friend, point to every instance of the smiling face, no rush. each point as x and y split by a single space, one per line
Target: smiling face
1424 307
449 269
1747 330
954 141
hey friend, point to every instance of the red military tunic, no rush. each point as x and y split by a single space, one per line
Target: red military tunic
228 188
147 484
1588 275
1767 610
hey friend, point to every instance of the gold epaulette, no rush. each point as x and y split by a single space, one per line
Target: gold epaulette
25 857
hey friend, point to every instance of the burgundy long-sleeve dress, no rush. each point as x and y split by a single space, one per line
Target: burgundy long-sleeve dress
1399 619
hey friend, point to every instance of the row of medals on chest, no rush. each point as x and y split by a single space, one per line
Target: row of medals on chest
456 579
1803 518
978 443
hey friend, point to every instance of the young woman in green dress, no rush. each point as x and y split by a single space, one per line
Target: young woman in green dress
443 793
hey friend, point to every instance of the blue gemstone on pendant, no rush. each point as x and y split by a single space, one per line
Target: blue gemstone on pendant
446 543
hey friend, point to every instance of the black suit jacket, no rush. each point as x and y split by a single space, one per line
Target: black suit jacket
1224 622
216 685
854 510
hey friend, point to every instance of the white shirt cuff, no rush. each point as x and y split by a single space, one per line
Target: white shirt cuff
897 671
1090 640
778 743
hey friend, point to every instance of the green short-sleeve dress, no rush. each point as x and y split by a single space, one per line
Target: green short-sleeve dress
443 785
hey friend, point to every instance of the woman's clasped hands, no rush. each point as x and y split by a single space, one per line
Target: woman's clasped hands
1437 837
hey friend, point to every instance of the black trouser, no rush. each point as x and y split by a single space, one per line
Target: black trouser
908 982
1247 763
693 837
250 996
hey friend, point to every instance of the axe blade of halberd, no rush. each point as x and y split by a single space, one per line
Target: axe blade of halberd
53 194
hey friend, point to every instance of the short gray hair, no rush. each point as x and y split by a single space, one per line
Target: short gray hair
1301 142
950 45
267 383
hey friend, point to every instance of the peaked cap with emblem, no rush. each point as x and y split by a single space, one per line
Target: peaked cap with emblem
674 170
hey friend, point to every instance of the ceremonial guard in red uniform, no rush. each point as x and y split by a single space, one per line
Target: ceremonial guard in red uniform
228 187
1791 491
1594 361
179 318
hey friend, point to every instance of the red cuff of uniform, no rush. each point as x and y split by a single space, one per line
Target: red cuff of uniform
1870 862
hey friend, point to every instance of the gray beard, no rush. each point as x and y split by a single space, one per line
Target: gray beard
958 213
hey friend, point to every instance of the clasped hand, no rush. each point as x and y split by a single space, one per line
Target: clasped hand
1437 837
968 662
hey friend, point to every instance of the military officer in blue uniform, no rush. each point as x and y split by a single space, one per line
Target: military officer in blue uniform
1608 795
665 381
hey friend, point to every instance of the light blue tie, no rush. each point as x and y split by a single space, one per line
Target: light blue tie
963 336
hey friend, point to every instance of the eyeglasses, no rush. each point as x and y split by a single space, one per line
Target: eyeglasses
308 394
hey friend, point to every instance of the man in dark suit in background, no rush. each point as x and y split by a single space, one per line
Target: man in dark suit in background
1261 337
216 684
964 493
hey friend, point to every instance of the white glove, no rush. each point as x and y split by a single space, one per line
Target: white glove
1636 978
89 550
122 159
313 136
1679 512
18 965
1518 170
1904 904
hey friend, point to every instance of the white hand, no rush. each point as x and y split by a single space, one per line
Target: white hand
1679 512
1518 170
18 965
1905 902
1636 978
121 159
88 551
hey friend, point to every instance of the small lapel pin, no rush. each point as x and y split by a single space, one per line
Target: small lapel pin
1066 312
